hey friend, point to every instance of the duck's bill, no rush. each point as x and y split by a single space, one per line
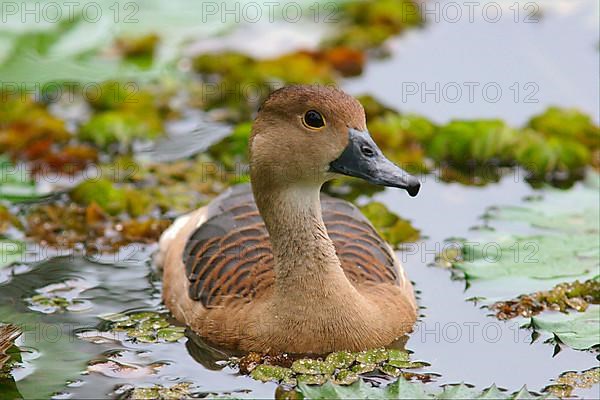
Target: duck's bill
363 159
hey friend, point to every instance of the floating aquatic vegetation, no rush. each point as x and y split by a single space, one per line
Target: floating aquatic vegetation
392 228
351 188
462 143
60 297
341 367
576 330
103 192
476 151
404 389
121 128
145 327
137 49
29 133
64 226
366 25
569 381
562 297
561 243
17 184
240 83
233 150
547 158
7 220
567 124
545 254
11 251
402 138
159 392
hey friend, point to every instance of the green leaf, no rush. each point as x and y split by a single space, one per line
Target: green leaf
16 183
403 389
392 228
577 330
11 251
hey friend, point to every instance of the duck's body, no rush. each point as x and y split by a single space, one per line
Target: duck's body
277 267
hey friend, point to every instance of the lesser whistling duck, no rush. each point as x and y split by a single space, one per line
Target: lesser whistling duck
277 267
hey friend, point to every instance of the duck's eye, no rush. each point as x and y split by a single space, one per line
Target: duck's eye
313 120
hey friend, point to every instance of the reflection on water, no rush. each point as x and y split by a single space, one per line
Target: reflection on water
458 339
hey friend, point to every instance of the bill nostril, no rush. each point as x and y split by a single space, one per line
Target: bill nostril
367 151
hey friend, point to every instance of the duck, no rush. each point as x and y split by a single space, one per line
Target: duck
275 266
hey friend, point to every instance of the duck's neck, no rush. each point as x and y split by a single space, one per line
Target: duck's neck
306 263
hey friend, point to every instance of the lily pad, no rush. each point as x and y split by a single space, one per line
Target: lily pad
11 251
563 243
16 183
403 389
577 330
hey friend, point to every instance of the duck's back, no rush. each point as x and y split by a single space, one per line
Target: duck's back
229 256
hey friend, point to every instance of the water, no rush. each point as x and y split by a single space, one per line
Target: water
526 66
461 342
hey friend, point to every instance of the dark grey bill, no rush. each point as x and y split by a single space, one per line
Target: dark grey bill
363 159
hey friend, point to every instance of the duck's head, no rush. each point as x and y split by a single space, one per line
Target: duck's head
310 134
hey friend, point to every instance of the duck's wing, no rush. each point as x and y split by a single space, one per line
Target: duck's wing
230 257
364 255
8 334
